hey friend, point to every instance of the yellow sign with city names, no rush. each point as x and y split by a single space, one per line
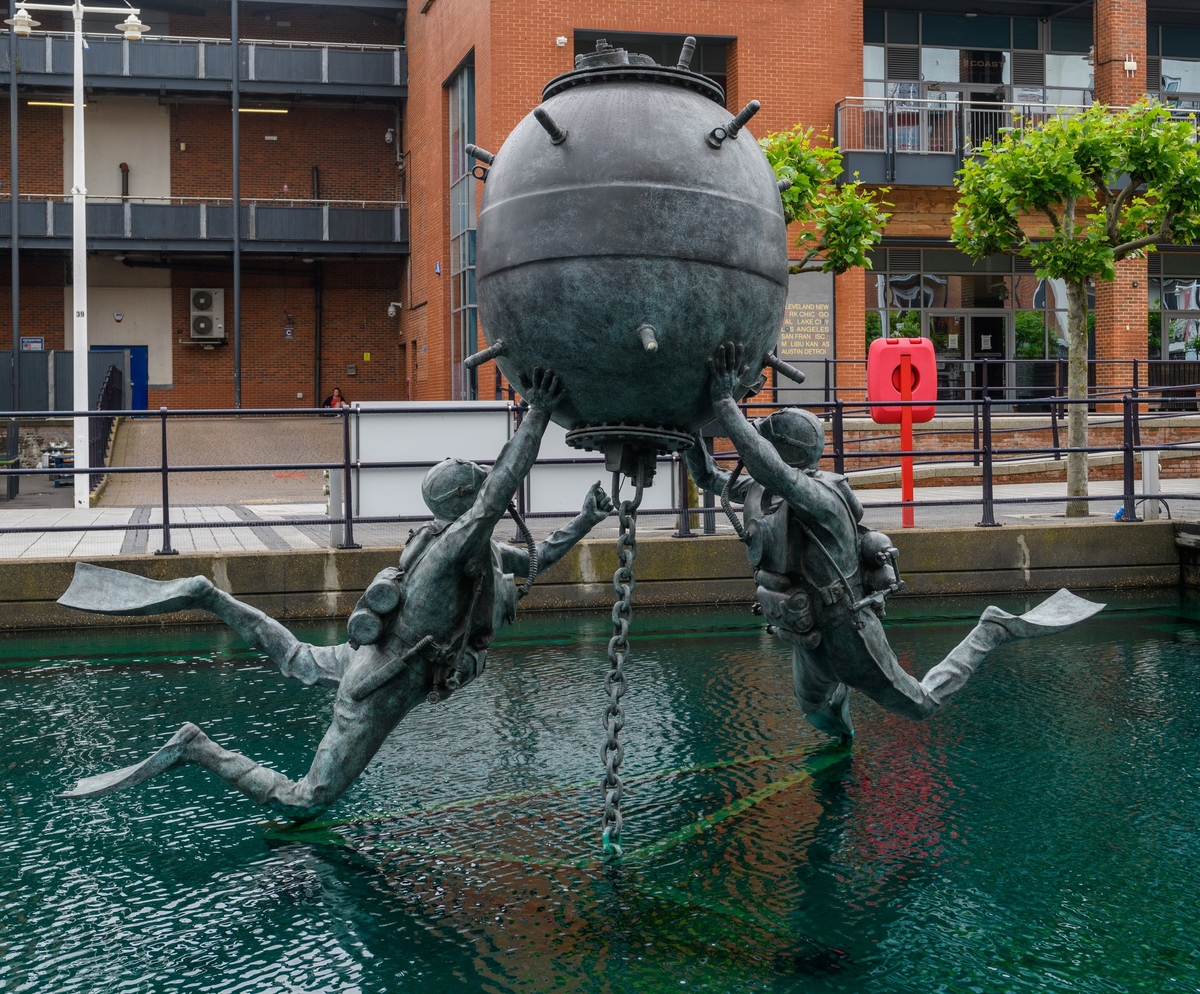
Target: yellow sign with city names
805 332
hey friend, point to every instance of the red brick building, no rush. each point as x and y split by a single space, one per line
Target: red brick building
358 207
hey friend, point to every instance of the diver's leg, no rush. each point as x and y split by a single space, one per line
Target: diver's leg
824 701
351 741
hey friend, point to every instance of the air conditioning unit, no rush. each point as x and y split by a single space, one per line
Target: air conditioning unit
208 315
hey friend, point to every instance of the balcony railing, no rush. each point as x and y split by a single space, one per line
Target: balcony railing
202 219
51 54
933 126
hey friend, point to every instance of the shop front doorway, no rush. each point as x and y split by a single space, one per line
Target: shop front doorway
974 353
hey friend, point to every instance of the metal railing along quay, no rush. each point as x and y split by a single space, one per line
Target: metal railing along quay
979 449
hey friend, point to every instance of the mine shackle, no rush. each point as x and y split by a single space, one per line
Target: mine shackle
718 135
685 54
784 185
557 134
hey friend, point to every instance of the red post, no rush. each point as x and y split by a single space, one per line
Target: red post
907 519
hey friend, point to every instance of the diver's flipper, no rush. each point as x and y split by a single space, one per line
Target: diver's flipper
167 758
109 591
1054 614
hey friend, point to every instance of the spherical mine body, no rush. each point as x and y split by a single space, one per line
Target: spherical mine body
633 220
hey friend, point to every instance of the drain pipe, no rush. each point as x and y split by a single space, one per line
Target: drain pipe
318 294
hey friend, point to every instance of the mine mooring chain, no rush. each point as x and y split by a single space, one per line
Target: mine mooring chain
615 681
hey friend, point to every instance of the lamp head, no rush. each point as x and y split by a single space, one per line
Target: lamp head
132 28
21 22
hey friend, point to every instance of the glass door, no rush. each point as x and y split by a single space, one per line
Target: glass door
948 334
988 340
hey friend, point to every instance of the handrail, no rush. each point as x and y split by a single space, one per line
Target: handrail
188 39
184 201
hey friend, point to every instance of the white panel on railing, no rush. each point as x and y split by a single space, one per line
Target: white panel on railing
562 486
418 431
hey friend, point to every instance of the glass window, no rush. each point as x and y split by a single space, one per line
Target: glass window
1070 36
939 65
1183 336
1179 76
903 324
1030 335
874 326
873 62
873 26
1181 40
1025 33
1068 71
463 322
1181 295
1152 40
903 27
966 32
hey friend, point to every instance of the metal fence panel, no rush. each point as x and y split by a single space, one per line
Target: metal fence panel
34 381
32 216
218 61
349 66
64 219
355 224
165 220
151 58
64 387
288 223
31 55
104 220
292 65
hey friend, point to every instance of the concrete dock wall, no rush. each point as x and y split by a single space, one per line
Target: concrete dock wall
298 586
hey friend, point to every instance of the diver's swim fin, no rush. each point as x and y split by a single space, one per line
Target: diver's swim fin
167 758
109 591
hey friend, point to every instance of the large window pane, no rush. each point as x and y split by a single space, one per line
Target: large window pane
940 65
1179 76
873 62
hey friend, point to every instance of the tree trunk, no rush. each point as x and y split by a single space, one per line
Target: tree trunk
1077 389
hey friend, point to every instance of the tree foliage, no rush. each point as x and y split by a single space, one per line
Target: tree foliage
1076 194
842 222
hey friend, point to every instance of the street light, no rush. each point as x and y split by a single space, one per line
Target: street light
22 25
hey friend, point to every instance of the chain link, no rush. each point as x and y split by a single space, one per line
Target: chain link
615 681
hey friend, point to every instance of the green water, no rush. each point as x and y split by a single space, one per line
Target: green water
1038 835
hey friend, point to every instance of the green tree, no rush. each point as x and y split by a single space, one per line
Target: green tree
1075 195
843 222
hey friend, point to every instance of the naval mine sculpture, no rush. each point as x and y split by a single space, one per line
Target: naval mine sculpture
631 238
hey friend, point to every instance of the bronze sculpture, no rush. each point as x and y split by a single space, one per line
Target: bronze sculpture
421 630
822 577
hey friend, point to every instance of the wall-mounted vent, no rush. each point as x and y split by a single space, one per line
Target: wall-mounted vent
1154 264
1028 69
1153 74
903 63
904 260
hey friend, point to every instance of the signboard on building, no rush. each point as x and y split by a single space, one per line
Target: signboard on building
806 338
33 344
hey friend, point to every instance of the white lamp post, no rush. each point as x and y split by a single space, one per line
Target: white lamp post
22 24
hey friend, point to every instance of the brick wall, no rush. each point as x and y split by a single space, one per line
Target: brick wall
1120 30
777 46
347 145
274 369
40 142
41 298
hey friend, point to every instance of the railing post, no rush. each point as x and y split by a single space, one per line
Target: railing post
839 441
166 549
975 433
347 487
1129 508
989 517
827 388
1054 429
1137 413
709 515
685 502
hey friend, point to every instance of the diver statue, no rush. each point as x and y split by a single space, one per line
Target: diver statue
822 577
420 631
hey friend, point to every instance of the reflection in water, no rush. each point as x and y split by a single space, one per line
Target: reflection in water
1041 832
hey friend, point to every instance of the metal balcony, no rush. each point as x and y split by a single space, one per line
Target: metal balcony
183 224
47 59
923 142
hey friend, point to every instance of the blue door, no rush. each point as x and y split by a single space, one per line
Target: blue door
139 373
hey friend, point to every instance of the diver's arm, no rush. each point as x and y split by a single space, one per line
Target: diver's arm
709 476
763 463
473 530
596 507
